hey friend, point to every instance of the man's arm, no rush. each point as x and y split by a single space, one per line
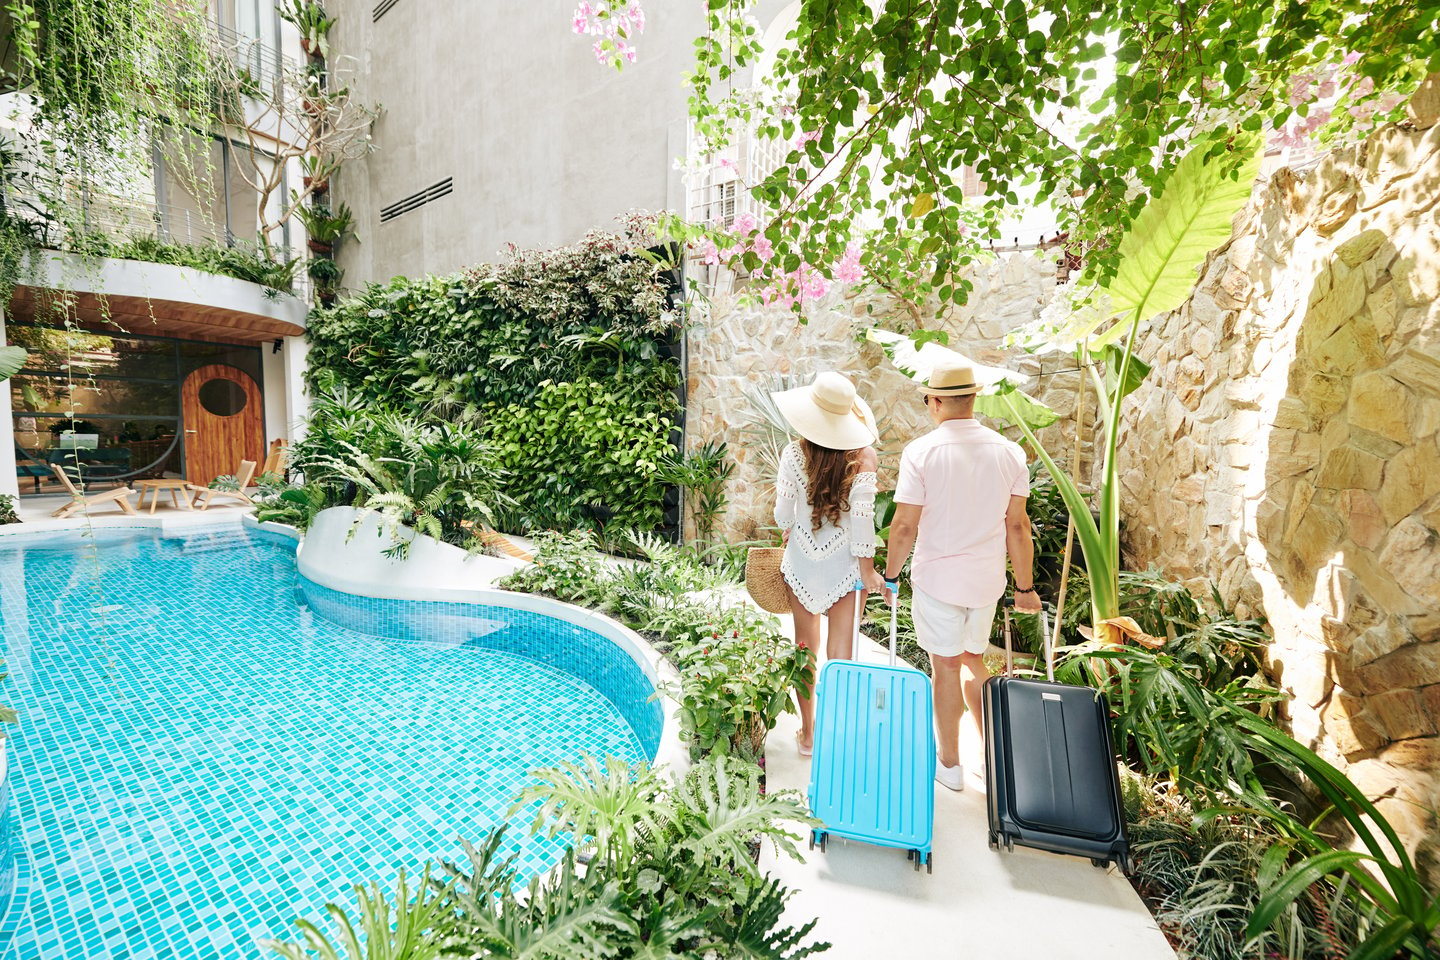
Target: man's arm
1022 555
904 525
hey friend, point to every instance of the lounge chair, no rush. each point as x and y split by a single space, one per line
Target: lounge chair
275 461
203 495
80 500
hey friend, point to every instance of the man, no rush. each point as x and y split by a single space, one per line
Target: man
960 502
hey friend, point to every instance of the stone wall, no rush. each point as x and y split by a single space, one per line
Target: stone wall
1287 448
738 347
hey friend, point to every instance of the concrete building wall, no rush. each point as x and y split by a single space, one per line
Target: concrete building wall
542 142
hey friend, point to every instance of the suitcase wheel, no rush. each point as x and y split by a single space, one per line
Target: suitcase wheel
915 856
812 839
1099 862
929 863
1009 843
994 841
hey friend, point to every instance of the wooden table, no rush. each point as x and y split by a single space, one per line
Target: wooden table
155 486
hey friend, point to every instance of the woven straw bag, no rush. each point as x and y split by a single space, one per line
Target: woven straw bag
764 580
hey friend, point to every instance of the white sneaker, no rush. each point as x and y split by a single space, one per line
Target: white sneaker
952 777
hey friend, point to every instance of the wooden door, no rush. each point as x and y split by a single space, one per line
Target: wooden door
224 422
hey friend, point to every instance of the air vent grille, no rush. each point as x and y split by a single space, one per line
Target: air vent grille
382 8
433 192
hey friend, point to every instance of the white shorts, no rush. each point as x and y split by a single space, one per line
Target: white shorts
946 630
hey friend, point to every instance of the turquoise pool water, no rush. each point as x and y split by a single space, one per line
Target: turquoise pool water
210 746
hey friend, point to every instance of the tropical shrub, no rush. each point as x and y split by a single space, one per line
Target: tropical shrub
1204 875
670 873
434 475
1379 880
735 683
8 513
564 354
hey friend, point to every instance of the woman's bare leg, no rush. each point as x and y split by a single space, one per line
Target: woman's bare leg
841 632
807 634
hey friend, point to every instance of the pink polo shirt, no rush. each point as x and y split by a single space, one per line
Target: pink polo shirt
963 474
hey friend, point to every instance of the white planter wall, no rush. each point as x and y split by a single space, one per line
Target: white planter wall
344 549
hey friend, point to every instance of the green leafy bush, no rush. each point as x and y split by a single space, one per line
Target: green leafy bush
1204 876
563 353
587 452
8 512
735 683
434 475
671 874
240 262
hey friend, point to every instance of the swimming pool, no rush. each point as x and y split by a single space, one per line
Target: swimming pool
210 745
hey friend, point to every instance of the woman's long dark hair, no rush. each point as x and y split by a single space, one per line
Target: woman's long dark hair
828 475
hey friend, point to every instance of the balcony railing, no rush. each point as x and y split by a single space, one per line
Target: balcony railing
264 63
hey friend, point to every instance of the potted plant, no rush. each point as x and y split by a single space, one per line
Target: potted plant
314 26
325 227
315 173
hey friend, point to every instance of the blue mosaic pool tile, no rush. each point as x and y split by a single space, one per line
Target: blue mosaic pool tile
202 756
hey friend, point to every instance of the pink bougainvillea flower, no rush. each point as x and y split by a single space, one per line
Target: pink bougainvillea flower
744 224
1363 87
1327 88
848 269
1350 58
637 17
600 53
1301 86
727 164
710 254
763 248
581 23
805 137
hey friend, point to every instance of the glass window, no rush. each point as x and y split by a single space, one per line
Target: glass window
125 392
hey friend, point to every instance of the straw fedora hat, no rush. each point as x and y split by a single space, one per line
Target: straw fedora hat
829 413
951 378
764 581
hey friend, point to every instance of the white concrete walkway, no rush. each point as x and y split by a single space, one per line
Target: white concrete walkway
35 515
978 905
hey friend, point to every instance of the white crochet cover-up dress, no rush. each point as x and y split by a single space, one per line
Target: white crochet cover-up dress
822 565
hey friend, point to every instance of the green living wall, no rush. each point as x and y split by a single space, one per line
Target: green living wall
566 355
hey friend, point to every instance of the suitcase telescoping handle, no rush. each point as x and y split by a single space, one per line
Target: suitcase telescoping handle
855 636
1006 604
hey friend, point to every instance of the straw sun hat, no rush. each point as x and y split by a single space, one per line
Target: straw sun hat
829 413
951 377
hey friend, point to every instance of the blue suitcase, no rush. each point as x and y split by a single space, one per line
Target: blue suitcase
872 777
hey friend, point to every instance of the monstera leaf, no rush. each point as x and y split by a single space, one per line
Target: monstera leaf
1165 246
11 360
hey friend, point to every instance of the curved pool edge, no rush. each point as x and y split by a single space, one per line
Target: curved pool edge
14 860
672 751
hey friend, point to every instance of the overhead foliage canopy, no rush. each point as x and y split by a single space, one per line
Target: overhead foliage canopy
1089 103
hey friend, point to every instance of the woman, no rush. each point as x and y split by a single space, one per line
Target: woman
825 504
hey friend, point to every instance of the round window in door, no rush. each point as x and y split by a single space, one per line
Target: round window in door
224 422
222 397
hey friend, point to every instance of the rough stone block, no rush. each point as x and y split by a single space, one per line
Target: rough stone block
1360 247
1290 414
1402 713
1419 368
1412 555
1346 467
1378 403
1411 478
1367 526
1424 106
1414 665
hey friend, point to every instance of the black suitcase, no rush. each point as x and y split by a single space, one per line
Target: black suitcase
1050 766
